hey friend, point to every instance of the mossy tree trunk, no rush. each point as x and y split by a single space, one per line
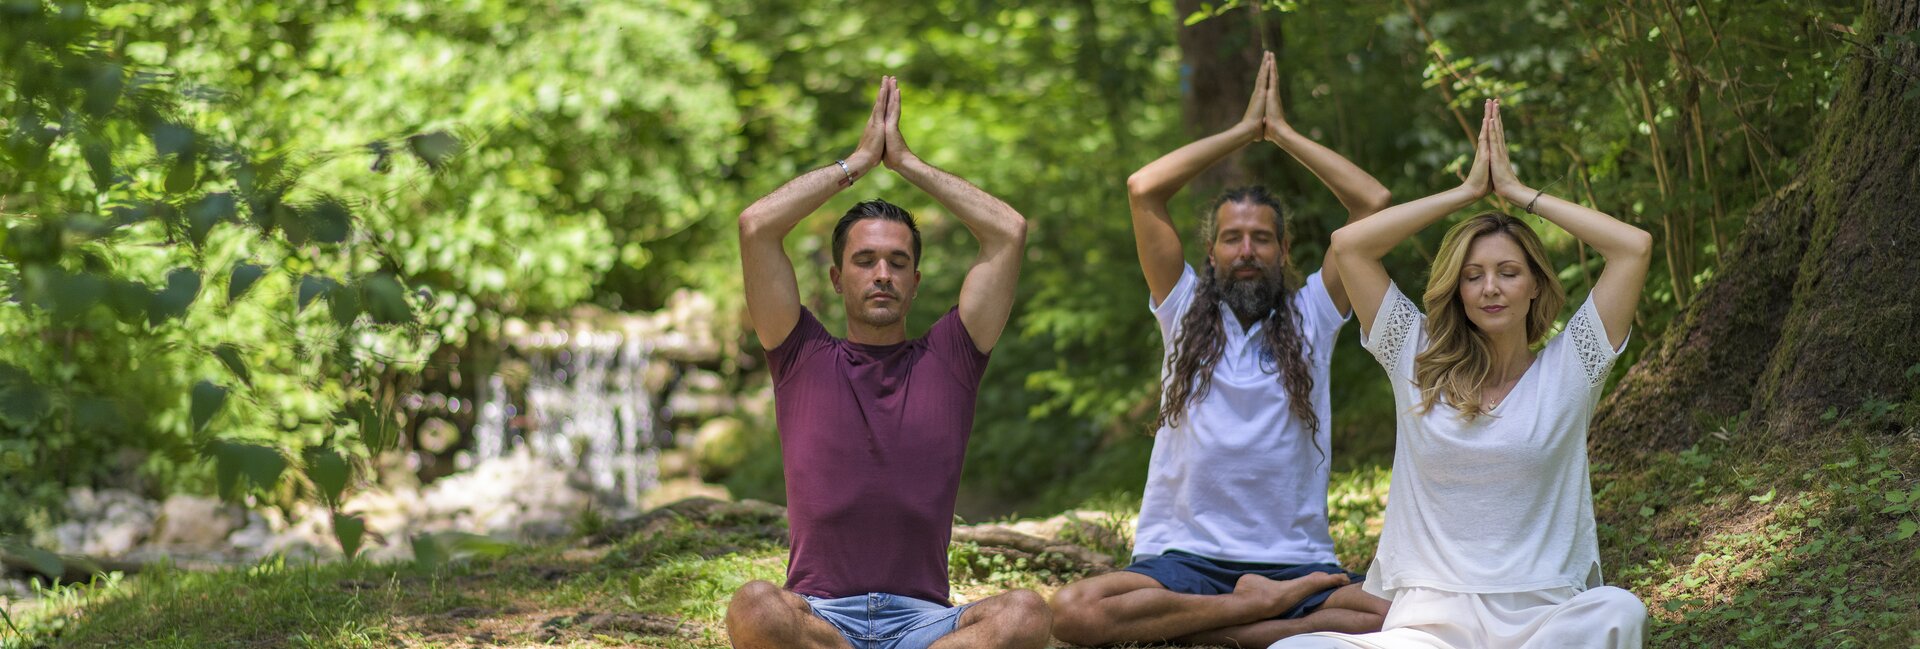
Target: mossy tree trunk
1817 304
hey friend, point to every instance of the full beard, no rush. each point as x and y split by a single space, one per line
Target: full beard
1254 297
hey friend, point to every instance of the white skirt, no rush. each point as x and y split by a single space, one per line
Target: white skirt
1424 618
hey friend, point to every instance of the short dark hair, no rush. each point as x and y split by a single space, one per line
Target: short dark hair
873 209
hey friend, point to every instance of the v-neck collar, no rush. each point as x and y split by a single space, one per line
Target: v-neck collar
1525 375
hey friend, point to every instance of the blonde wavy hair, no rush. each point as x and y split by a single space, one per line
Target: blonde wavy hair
1455 365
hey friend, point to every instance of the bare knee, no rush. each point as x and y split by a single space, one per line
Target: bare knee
1020 617
1077 617
755 604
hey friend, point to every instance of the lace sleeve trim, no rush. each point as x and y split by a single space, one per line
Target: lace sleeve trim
1589 339
1392 328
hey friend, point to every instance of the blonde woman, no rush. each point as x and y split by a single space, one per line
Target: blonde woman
1489 536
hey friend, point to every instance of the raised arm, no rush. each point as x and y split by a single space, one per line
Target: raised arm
1357 190
1627 249
1357 248
986 295
1149 189
773 295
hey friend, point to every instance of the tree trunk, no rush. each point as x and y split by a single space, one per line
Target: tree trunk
1817 304
1219 58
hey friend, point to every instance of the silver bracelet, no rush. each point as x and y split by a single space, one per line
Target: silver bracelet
845 169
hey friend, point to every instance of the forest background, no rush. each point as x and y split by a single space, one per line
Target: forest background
239 234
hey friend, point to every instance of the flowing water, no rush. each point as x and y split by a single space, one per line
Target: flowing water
585 407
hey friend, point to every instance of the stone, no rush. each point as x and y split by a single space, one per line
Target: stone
194 523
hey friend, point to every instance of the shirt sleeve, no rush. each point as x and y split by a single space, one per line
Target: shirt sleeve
949 340
808 336
1397 334
1587 342
1316 306
1170 310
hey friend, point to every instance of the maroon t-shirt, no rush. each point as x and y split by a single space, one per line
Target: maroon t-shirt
872 437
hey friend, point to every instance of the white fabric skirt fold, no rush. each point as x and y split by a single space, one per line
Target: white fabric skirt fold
1560 618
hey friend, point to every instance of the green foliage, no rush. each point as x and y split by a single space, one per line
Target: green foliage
1737 544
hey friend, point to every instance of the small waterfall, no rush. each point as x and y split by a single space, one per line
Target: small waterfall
584 406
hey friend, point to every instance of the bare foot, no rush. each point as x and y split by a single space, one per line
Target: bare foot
1278 596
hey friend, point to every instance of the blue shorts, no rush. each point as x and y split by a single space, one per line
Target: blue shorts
883 621
1193 574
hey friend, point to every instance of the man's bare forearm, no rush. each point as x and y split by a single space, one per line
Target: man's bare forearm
995 223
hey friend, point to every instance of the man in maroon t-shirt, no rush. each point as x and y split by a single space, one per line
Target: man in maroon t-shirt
873 427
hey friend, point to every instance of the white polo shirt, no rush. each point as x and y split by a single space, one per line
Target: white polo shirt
1241 479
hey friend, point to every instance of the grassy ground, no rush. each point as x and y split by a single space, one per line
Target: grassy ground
1731 544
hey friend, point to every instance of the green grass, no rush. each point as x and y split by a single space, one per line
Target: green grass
1731 543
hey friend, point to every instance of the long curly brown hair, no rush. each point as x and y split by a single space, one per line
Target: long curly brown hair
1202 340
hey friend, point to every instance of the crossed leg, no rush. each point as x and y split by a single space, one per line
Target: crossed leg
1131 607
765 616
1016 619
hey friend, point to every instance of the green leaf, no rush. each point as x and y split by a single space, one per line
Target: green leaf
329 473
130 300
387 300
229 355
171 139
244 275
1767 498
348 529
183 175
104 83
427 552
207 400
329 221
312 286
344 305
377 428
42 561
99 156
207 212
1646 511
183 285
1906 531
434 149
440 548
66 295
261 465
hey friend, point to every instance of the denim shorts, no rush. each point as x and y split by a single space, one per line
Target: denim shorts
1193 574
883 621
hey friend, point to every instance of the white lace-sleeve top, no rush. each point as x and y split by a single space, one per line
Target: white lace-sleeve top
1501 503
